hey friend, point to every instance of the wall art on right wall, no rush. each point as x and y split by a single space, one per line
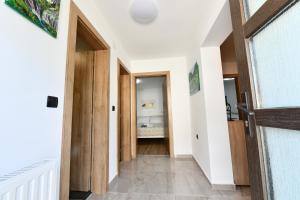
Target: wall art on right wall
194 80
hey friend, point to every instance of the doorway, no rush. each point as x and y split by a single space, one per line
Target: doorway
231 79
152 132
124 114
84 160
82 120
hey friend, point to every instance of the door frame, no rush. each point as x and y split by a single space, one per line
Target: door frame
286 118
80 25
134 76
121 66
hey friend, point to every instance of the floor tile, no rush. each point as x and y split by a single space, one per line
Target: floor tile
162 178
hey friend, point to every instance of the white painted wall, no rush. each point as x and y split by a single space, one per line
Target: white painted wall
198 119
208 110
180 97
33 66
217 126
150 89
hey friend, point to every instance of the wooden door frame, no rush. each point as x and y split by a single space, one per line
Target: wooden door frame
119 69
286 118
134 76
80 25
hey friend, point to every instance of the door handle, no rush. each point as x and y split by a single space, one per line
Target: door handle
244 107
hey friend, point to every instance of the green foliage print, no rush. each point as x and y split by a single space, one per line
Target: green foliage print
194 80
43 13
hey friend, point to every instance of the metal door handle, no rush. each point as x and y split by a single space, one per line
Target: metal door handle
244 107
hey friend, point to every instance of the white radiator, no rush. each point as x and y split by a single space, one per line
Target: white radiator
36 182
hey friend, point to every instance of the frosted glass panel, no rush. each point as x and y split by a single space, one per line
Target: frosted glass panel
276 61
283 159
251 6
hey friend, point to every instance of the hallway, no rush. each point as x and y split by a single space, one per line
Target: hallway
161 178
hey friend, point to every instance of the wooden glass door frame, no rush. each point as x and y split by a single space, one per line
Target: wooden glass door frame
80 25
284 118
134 76
121 69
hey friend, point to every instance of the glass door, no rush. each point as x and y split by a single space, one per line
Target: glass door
267 39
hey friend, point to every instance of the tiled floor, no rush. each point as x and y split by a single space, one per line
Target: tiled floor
161 178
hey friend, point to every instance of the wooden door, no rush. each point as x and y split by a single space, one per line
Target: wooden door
125 117
165 112
266 35
81 150
100 127
238 152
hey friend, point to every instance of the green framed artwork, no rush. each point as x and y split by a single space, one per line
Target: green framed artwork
43 13
194 80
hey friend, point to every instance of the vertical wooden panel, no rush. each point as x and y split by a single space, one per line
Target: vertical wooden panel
133 117
170 115
82 122
122 70
253 141
68 108
119 121
125 109
166 117
238 152
100 123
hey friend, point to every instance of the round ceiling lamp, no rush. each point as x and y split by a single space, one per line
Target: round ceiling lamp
144 11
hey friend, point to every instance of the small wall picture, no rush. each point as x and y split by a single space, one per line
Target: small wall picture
149 104
43 13
194 80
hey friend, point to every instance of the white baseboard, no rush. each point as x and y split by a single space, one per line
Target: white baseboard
222 187
184 156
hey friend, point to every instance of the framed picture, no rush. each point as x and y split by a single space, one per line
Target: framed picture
194 80
43 13
149 104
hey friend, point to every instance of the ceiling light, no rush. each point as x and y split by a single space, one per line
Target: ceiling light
138 81
144 11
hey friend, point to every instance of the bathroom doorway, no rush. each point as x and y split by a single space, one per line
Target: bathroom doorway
152 118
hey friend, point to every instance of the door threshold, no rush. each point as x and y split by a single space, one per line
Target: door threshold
77 195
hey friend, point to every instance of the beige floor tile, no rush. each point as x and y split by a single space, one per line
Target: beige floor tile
162 178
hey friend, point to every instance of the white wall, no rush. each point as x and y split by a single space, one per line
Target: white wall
150 89
208 110
33 66
198 119
217 127
180 97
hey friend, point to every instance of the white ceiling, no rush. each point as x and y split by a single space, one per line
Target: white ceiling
171 34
